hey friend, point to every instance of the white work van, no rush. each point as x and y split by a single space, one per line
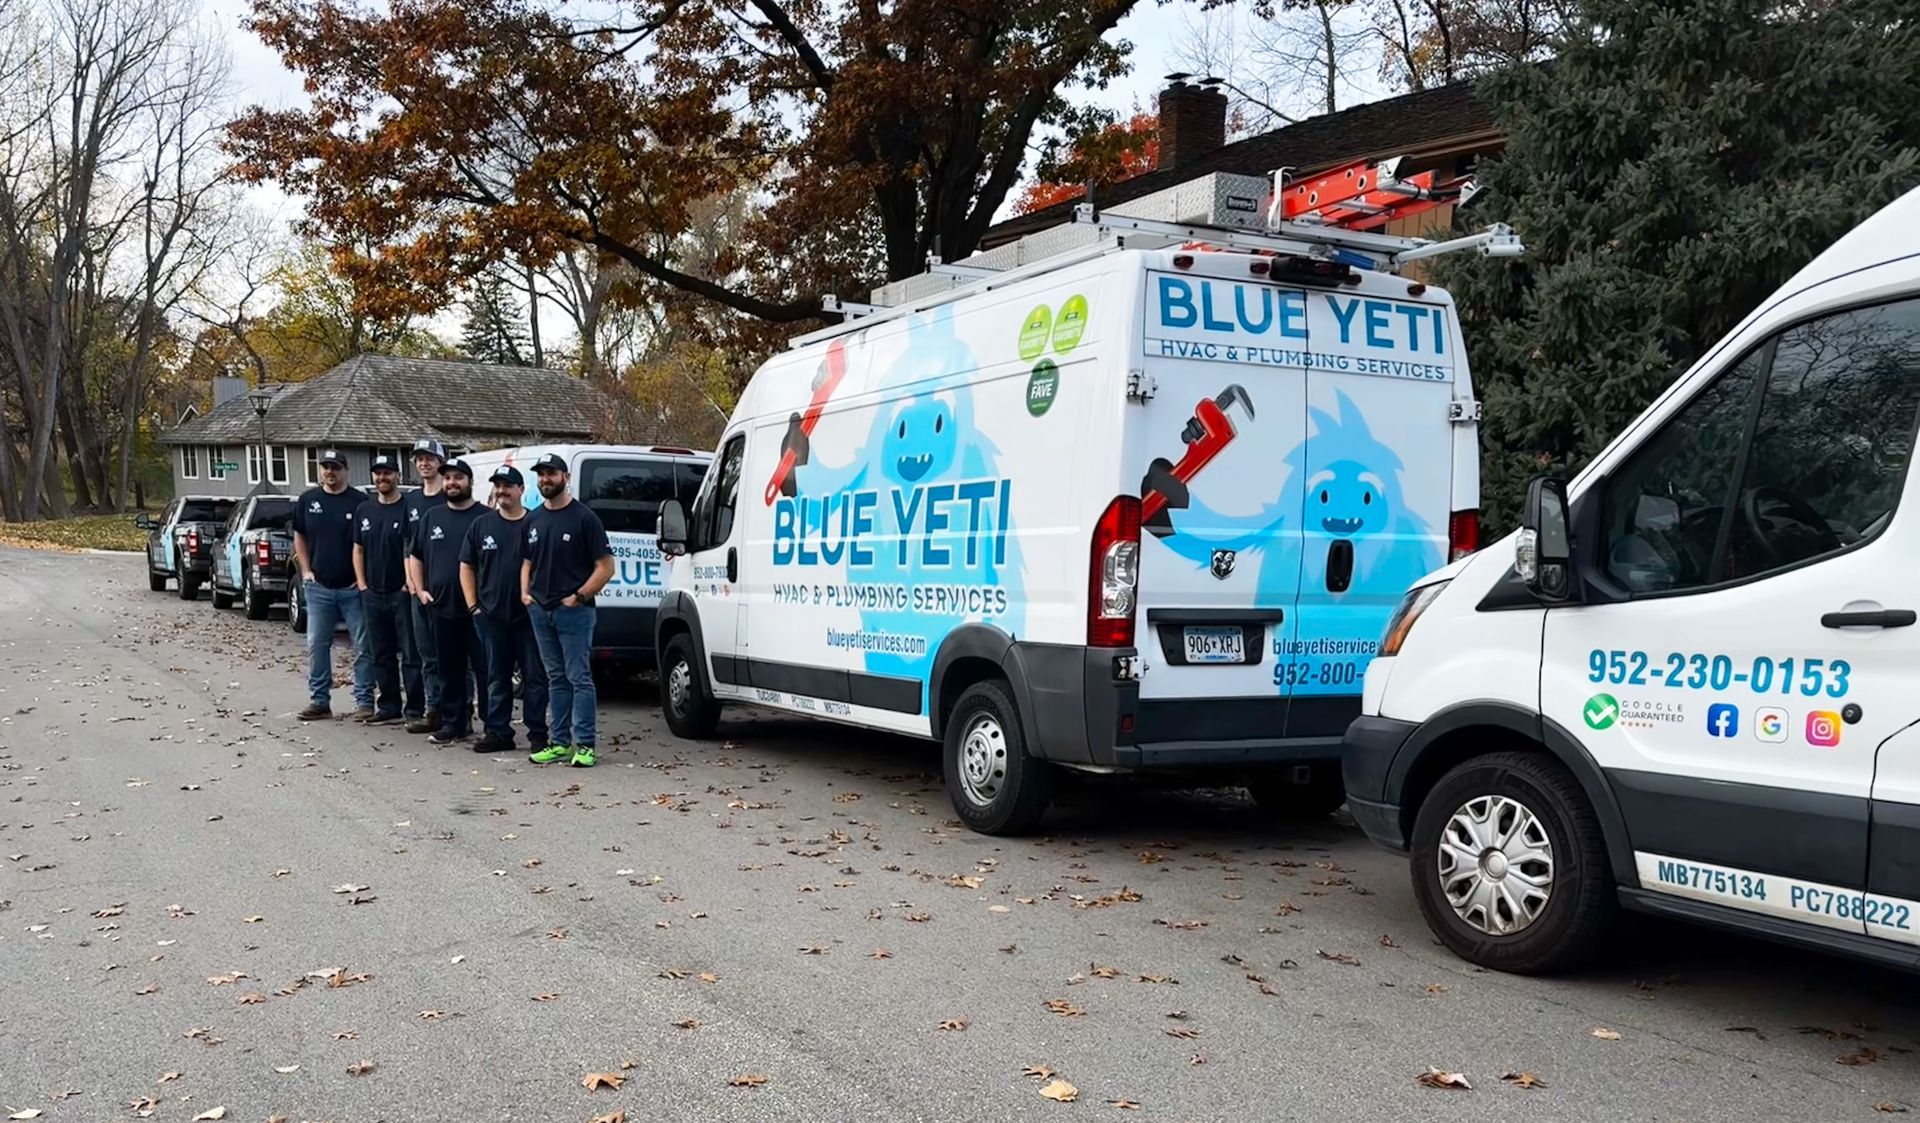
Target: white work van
1685 686
624 485
1124 509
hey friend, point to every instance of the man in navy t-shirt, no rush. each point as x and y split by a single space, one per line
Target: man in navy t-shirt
490 574
428 456
568 563
380 561
435 566
323 545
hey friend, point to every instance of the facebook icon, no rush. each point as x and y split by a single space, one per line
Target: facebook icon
1723 720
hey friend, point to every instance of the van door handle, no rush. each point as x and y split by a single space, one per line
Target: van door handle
733 565
1339 565
1882 618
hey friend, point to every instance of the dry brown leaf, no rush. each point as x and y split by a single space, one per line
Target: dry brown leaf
148 989
687 1023
610 1117
1435 1078
1890 1107
144 1106
432 1015
918 917
361 1068
1149 857
594 1081
1387 942
954 1025
1436 988
1184 1033
255 919
813 949
707 977
347 1035
1523 1080
285 1069
1339 957
545 997
748 1080
211 1114
1862 1055
1124 1104
1061 1092
252 998
1101 972
1038 1072
1605 1034
167 1077
341 978
227 979
1065 1009
27 1113
881 953
1150 978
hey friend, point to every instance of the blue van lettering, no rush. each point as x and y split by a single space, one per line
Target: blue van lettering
1176 303
903 518
972 494
1293 314
863 504
1247 323
1414 314
1207 319
1377 324
783 532
1344 315
830 553
823 531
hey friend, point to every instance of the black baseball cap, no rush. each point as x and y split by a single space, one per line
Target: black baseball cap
508 474
459 466
333 456
551 462
385 463
431 447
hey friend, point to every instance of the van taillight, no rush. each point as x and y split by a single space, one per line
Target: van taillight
263 551
1113 576
1463 534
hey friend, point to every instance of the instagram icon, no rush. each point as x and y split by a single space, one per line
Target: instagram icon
1823 728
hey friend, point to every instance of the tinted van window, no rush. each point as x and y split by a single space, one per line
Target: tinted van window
207 510
273 514
627 494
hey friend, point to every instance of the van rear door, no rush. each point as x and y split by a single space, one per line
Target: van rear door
1377 492
1221 541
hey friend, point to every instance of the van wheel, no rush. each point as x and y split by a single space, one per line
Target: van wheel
1281 793
996 788
691 710
1510 867
157 582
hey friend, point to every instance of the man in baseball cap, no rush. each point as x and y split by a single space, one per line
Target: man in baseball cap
323 546
490 574
568 562
380 562
428 455
436 573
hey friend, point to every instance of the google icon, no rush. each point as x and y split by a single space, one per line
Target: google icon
1770 724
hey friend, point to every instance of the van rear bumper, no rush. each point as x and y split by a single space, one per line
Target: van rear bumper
1077 709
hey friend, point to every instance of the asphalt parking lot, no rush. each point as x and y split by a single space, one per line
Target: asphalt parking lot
206 906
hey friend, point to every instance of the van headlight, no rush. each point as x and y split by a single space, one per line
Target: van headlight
1405 614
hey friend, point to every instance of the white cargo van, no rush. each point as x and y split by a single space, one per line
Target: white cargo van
1120 509
625 485
1686 686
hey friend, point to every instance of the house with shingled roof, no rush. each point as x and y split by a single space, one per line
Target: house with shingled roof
374 404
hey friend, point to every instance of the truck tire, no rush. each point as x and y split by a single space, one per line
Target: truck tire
1509 865
692 712
1281 794
250 598
296 608
221 599
995 786
156 581
189 587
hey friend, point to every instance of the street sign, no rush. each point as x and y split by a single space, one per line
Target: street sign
225 466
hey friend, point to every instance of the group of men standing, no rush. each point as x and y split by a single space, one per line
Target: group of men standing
448 599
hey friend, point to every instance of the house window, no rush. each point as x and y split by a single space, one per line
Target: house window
313 466
277 464
253 464
216 456
189 462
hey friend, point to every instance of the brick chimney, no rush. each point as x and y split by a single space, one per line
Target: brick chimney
1193 122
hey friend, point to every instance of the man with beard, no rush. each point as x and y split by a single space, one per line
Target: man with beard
568 562
428 456
435 566
323 546
380 563
490 575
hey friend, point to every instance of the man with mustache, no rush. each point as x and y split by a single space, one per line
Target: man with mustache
568 562
380 563
490 574
436 573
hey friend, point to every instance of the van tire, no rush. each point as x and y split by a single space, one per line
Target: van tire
692 711
1580 909
1280 796
995 786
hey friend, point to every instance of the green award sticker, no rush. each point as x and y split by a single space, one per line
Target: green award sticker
1033 335
1042 387
1072 322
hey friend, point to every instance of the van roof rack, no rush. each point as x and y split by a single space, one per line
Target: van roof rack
1334 215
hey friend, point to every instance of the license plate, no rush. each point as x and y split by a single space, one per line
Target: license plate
1215 645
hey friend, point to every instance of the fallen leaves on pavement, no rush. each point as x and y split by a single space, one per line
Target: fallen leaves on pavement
954 1025
610 1117
1340 957
1605 1034
594 1081
1523 1079
1862 1055
361 1068
1124 1104
1437 1078
1064 1008
1061 1092
1038 1072
748 1080
211 1114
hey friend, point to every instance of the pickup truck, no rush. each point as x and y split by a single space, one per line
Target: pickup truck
180 541
250 554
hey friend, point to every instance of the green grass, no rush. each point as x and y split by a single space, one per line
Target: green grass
92 532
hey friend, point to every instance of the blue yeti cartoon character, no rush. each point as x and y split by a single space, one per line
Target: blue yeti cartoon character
921 452
1342 483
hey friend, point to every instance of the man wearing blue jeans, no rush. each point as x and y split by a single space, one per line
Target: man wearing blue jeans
323 546
568 562
428 457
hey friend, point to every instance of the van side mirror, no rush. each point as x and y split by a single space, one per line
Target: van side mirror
143 521
673 528
1543 551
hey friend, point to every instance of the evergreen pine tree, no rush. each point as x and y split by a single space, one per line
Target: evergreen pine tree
495 327
1674 165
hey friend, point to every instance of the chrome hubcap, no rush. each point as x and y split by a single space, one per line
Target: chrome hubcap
1495 863
680 685
983 760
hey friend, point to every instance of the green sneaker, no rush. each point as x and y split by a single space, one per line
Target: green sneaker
552 754
583 756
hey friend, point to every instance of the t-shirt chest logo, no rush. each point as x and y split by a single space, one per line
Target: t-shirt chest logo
413 516
566 538
488 543
437 534
313 508
533 534
366 524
